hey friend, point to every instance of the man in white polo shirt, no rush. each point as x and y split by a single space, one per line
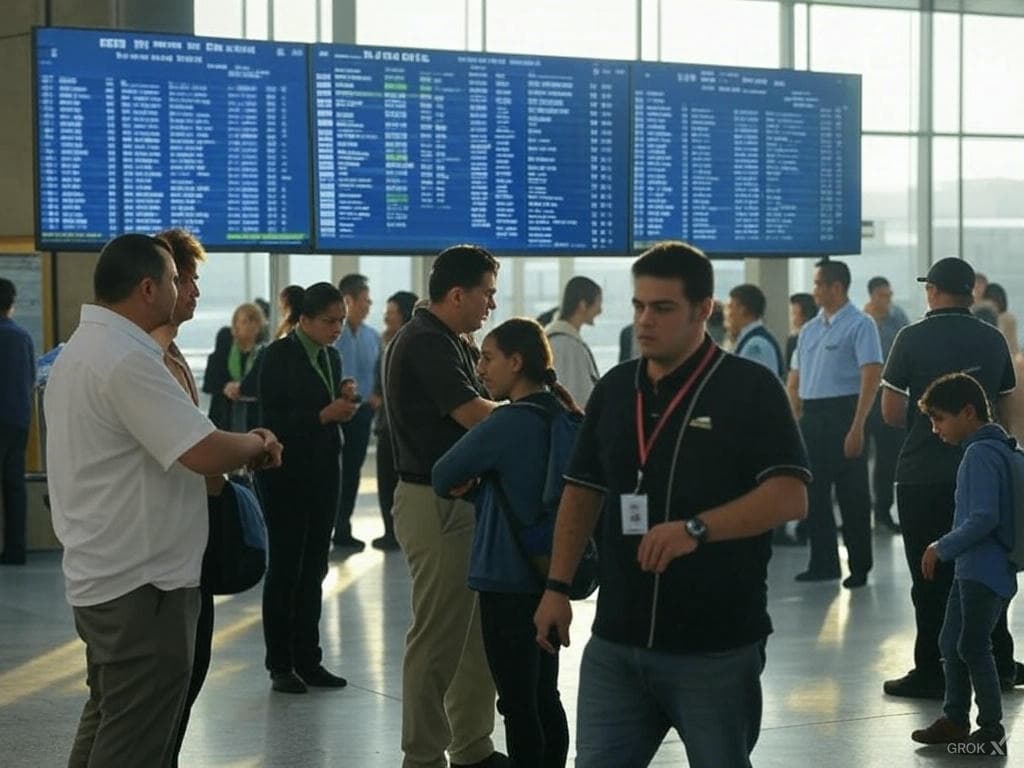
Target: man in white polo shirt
127 452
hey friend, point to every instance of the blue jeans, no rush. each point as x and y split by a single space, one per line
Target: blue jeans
629 697
966 645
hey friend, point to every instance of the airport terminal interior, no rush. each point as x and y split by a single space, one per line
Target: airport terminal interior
923 159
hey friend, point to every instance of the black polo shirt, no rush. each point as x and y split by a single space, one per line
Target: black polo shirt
430 372
944 341
739 431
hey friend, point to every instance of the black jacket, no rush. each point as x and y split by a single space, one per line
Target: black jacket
291 397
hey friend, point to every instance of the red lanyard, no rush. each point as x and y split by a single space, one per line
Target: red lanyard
645 446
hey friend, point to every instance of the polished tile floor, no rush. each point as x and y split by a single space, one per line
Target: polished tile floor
823 702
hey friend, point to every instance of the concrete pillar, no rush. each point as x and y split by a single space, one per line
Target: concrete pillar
772 277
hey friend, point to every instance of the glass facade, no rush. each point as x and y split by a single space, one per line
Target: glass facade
942 143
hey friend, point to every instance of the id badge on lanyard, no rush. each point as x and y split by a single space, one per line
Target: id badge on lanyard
633 506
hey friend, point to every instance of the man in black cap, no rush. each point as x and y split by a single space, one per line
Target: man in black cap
949 339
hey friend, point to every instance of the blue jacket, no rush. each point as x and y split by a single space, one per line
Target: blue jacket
18 362
509 447
983 513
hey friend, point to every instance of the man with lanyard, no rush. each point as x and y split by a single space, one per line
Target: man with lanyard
833 381
686 512
949 339
744 313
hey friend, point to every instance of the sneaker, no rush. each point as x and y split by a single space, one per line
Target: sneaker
318 677
988 740
914 685
494 760
942 731
287 682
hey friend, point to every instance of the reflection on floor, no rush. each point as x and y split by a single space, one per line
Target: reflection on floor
823 702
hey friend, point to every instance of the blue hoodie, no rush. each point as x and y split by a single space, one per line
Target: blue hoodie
510 446
984 514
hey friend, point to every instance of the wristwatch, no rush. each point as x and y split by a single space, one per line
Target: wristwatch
697 528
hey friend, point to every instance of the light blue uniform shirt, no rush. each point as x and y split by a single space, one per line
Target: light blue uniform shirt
758 349
830 353
359 354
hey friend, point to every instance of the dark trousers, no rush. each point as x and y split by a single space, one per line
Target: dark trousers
387 481
200 665
526 677
299 512
138 651
887 442
353 454
825 424
926 515
13 441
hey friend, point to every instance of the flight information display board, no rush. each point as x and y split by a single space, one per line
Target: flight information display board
746 162
417 150
137 132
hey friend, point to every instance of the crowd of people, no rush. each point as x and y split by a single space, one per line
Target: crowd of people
684 513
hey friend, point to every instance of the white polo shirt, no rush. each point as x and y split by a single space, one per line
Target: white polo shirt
127 513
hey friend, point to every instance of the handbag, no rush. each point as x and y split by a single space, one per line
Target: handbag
236 553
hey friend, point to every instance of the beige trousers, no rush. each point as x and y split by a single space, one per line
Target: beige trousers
447 689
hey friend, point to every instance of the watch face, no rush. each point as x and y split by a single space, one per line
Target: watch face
696 528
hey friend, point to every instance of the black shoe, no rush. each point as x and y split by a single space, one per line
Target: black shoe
886 522
988 740
914 685
1009 683
319 677
495 760
349 542
287 682
855 580
386 543
815 576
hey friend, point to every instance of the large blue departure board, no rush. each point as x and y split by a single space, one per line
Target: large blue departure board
140 132
417 150
746 162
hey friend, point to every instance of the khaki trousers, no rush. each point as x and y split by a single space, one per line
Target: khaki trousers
138 650
447 689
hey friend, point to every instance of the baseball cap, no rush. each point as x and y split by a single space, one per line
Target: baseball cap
951 275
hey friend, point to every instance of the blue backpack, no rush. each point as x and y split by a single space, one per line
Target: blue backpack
535 540
1011 535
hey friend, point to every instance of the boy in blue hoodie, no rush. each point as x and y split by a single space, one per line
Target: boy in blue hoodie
985 579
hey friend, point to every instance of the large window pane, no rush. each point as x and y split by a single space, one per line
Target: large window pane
295 20
738 32
945 197
306 269
599 28
889 207
412 23
994 213
993 74
387 275
218 18
881 45
946 72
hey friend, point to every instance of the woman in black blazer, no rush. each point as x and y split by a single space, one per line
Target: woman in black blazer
304 397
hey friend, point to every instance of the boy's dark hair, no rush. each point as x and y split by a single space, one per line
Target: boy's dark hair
578 289
7 295
835 272
317 298
877 282
751 297
954 392
125 262
406 302
353 285
682 261
461 266
805 301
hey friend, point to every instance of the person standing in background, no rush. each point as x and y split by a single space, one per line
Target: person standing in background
835 375
801 309
303 398
289 304
574 362
883 440
359 346
744 322
18 361
1006 321
397 312
228 366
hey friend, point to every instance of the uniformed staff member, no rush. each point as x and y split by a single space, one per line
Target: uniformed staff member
744 322
690 456
949 339
832 383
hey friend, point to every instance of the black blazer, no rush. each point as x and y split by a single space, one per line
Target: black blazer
291 397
